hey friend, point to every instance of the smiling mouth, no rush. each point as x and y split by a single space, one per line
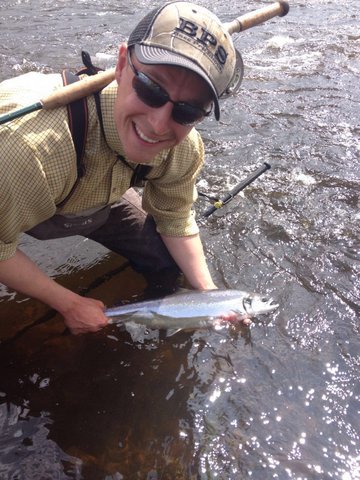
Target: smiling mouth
143 137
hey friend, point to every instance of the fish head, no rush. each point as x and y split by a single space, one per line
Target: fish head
258 305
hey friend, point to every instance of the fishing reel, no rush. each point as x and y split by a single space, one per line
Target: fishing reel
236 80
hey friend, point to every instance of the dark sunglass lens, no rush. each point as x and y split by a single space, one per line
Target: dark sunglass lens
187 114
148 91
153 95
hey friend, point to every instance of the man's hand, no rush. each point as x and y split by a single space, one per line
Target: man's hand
80 314
84 315
233 317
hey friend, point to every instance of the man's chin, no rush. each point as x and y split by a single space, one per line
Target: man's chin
143 157
139 159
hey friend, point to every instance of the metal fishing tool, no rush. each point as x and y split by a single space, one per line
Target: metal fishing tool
92 84
219 203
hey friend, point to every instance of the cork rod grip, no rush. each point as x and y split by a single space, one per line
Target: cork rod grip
74 91
256 17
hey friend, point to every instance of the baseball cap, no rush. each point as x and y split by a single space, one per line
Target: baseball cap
190 36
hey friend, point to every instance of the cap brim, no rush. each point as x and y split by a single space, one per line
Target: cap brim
161 56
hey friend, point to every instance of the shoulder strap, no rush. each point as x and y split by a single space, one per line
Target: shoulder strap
78 122
78 111
78 119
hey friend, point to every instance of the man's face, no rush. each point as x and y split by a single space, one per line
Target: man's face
145 131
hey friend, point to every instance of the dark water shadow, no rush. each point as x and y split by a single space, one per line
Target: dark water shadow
96 405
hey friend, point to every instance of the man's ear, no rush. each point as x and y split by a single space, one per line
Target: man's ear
121 61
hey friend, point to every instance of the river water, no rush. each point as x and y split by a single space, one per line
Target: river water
279 400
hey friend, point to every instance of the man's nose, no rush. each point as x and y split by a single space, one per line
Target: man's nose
160 118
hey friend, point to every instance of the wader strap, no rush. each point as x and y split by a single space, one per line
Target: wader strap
78 122
78 118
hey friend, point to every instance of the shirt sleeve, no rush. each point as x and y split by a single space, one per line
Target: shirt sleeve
170 192
25 198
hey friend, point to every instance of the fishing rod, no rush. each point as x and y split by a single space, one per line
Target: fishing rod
219 203
69 93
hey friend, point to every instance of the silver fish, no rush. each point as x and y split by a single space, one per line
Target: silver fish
192 309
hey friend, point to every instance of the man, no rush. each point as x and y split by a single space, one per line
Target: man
169 76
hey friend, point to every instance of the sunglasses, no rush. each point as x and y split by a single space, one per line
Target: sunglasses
153 95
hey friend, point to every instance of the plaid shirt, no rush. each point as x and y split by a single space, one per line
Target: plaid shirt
38 166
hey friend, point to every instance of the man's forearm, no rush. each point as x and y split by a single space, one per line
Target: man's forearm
24 276
188 253
80 314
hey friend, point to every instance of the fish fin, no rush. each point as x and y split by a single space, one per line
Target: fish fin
180 290
189 290
172 331
139 317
